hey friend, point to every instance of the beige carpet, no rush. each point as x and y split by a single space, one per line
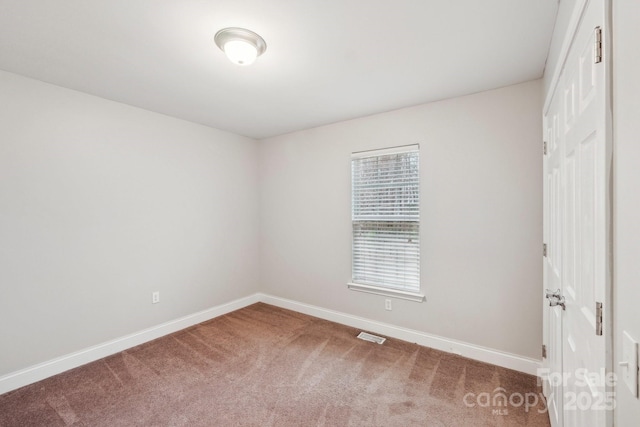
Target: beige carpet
264 366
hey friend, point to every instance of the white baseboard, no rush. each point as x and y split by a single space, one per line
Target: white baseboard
55 366
472 351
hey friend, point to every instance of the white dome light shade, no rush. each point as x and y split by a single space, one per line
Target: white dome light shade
241 46
240 52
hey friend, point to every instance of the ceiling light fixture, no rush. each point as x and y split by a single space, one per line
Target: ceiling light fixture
241 46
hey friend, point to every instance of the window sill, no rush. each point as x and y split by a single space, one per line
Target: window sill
410 296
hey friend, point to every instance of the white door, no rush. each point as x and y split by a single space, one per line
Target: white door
576 204
585 233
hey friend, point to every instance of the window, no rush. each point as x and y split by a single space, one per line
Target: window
385 214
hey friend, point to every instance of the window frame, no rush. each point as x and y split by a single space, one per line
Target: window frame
377 289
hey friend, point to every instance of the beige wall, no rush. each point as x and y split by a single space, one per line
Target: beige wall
626 114
481 215
101 204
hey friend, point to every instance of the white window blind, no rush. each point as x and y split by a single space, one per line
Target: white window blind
386 218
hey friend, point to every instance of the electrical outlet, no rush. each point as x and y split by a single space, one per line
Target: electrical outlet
387 304
155 297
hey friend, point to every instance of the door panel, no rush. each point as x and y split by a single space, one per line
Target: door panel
584 170
576 229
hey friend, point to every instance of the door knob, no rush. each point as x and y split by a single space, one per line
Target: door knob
552 294
555 298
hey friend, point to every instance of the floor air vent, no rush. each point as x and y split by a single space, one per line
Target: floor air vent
373 338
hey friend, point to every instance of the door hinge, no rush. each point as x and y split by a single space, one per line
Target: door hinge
597 51
598 318
544 249
544 351
544 147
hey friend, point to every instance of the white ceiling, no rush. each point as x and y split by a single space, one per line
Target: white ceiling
326 60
